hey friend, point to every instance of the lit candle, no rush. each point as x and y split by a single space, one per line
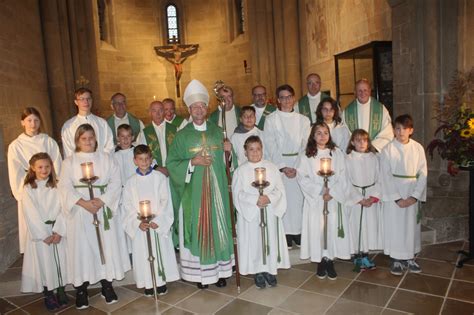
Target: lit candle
325 165
87 170
154 97
145 208
260 175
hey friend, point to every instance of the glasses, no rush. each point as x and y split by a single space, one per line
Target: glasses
82 99
286 98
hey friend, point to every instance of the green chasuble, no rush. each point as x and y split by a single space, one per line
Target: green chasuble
305 109
216 117
153 143
351 117
177 121
205 199
268 109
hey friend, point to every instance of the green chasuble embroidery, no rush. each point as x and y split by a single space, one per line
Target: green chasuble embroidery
375 118
305 109
152 140
268 110
205 199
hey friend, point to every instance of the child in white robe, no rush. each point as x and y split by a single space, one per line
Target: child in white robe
248 202
362 169
321 146
404 173
124 156
147 184
44 262
84 260
328 112
245 129
20 151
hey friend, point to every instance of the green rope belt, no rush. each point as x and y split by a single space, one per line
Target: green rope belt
107 212
56 256
340 227
159 261
290 154
406 176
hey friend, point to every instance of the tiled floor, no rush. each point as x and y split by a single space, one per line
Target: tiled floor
440 289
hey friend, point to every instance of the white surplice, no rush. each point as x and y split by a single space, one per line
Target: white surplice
312 235
19 154
84 262
362 171
340 135
248 220
43 265
402 232
238 141
285 136
103 133
153 187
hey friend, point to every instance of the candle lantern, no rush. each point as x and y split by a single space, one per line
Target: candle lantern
260 175
325 166
325 171
261 183
145 208
87 170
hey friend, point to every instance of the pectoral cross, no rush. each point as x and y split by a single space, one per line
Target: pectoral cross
204 148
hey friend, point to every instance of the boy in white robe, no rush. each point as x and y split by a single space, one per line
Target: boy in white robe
245 129
248 202
404 173
321 146
147 184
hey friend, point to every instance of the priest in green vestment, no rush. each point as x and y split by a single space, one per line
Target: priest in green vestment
170 113
365 112
307 104
232 111
118 102
197 172
262 108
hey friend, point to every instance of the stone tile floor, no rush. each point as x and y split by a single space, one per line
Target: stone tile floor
440 289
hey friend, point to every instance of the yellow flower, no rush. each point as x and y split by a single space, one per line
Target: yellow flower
470 123
466 133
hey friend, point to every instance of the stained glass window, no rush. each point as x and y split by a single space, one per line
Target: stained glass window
172 24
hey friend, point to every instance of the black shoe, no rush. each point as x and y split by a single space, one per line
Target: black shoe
82 299
162 290
297 239
289 241
260 281
149 293
322 269
271 279
109 295
221 283
332 275
202 286
62 297
51 302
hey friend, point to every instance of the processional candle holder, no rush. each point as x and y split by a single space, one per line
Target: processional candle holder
325 171
89 178
261 183
145 215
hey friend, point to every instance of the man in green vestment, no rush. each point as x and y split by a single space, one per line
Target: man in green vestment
262 108
197 172
365 112
307 104
232 114
170 113
121 116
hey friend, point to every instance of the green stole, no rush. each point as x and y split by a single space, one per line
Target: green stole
153 142
375 119
215 116
133 121
177 121
305 109
268 110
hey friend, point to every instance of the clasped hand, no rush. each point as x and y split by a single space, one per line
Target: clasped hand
92 206
263 201
52 239
144 226
405 203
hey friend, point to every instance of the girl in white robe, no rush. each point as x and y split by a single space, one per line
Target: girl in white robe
403 173
320 146
84 262
328 111
247 201
20 151
147 184
44 263
362 169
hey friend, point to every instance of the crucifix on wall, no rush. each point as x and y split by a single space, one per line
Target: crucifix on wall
177 54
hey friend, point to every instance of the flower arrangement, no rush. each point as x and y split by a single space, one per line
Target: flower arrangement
455 135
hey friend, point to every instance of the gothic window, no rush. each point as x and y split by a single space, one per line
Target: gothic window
106 21
101 6
173 33
240 17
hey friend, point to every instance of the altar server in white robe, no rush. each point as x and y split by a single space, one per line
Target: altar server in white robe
328 111
320 146
285 136
147 184
362 169
404 173
20 151
245 129
84 262
248 202
83 101
44 262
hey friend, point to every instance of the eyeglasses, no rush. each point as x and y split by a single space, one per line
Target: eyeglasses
286 98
